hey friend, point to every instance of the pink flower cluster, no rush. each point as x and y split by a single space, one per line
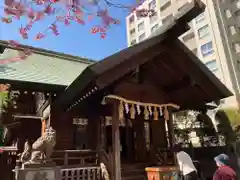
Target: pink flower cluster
14 10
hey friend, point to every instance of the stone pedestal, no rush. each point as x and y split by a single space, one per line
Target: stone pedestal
37 172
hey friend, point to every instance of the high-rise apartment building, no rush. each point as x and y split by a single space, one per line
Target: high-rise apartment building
214 36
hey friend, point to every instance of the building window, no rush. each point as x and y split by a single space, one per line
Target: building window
164 4
141 26
232 30
154 28
138 16
141 37
131 19
238 4
200 18
152 4
153 18
132 32
212 65
167 19
207 49
236 47
237 13
228 13
133 42
183 7
188 36
203 32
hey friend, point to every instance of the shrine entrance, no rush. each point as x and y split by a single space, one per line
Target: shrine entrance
127 148
134 141
142 134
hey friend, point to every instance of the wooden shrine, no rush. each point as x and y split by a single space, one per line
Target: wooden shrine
117 114
120 109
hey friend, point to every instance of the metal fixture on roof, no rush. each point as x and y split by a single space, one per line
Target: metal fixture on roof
91 91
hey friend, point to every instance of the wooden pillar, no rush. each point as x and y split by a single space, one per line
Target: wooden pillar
171 133
170 128
130 141
116 143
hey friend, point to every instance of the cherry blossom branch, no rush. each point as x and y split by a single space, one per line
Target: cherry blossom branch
73 11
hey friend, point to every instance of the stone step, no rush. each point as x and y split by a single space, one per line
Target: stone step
133 172
140 177
134 166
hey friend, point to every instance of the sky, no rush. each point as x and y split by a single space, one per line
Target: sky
74 39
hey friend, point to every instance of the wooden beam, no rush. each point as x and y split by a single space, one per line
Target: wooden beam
141 92
26 116
189 97
184 82
152 68
116 143
128 65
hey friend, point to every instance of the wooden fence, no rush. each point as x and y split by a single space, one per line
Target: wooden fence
75 157
81 173
7 162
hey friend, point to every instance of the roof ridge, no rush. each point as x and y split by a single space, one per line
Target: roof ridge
47 52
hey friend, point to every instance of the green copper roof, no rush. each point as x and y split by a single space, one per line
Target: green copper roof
43 66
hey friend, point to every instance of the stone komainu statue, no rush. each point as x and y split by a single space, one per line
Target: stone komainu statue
26 155
104 171
41 150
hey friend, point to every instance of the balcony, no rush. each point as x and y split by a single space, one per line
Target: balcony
183 7
238 22
235 7
164 4
132 25
189 40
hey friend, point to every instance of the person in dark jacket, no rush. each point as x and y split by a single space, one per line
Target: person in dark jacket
224 171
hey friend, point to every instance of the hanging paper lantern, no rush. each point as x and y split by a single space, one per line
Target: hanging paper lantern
121 110
150 110
103 101
146 113
138 109
166 114
160 110
132 112
155 113
126 108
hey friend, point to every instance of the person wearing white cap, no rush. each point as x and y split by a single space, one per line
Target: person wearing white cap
224 171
